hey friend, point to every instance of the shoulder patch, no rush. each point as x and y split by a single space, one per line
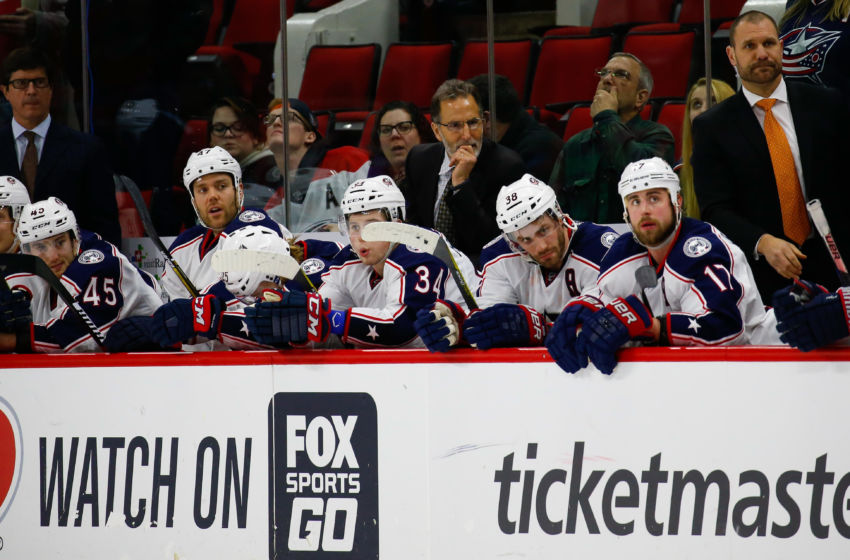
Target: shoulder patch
697 246
608 238
312 266
251 216
92 256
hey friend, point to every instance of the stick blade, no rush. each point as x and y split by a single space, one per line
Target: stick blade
646 277
416 237
245 260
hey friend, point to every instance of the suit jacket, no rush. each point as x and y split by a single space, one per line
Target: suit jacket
473 206
736 187
74 168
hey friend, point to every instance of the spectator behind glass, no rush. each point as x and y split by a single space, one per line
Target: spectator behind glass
234 124
399 125
695 106
816 43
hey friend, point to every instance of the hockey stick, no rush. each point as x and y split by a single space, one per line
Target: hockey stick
646 278
246 260
819 219
145 216
31 264
424 240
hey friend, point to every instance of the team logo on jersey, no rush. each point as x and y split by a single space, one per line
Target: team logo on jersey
697 246
312 266
805 50
608 238
92 256
250 216
11 449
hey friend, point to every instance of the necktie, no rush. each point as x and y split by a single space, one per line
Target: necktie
29 165
795 221
444 222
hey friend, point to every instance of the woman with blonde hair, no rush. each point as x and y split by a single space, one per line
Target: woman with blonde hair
696 105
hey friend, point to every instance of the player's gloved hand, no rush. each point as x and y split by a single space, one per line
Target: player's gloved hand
440 327
295 319
794 296
181 319
15 312
609 328
505 325
819 322
561 340
131 334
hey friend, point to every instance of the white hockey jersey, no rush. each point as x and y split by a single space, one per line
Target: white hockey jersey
705 288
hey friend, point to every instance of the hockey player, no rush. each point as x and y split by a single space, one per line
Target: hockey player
103 281
542 260
13 197
370 294
809 316
704 293
214 181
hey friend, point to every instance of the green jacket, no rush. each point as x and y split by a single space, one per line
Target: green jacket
589 166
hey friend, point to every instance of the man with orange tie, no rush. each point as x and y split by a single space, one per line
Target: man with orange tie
762 153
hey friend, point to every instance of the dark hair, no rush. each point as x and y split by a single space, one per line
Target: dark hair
452 89
27 58
245 111
508 105
752 16
417 116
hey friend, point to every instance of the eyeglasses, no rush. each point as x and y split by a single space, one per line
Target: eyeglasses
291 117
24 83
237 128
621 74
403 128
457 126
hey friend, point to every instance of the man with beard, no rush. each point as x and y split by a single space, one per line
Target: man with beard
762 153
452 184
586 172
702 294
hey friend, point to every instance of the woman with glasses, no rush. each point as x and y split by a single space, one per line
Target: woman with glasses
235 125
399 125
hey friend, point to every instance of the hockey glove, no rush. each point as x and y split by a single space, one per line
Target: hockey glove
794 296
295 319
15 312
505 325
131 334
820 322
440 327
182 319
608 329
561 340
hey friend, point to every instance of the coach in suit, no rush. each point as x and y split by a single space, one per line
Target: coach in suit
52 159
452 185
762 153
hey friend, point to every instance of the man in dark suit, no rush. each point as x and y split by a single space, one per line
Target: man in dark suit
762 153
52 159
453 184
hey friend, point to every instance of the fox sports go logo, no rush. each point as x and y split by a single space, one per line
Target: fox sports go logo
11 451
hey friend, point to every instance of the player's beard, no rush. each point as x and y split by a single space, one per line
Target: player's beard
655 237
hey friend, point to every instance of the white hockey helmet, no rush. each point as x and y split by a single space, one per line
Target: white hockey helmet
14 195
44 219
212 160
253 238
646 174
374 193
524 201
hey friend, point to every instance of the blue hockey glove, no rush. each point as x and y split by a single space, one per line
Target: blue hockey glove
15 312
295 319
794 296
505 325
182 319
819 322
440 327
131 334
608 329
561 340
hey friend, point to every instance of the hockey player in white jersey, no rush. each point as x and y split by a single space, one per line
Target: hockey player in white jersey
214 181
703 292
370 293
102 280
13 197
542 260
